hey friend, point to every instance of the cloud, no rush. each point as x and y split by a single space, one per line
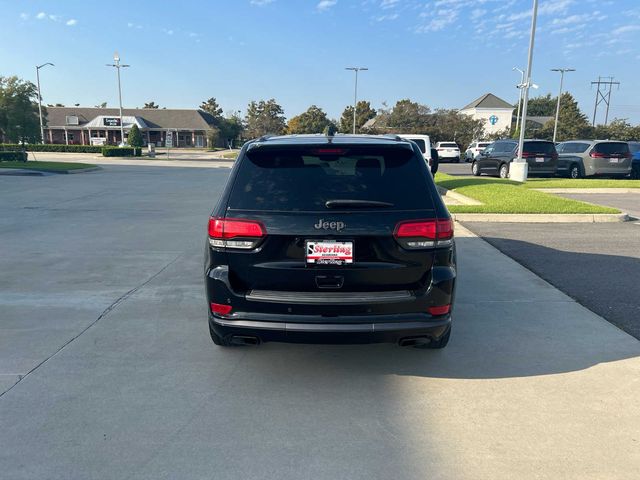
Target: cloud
385 4
260 3
41 16
55 18
383 18
71 22
626 29
442 18
324 5
24 16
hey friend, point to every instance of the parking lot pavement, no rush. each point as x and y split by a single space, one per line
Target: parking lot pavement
102 287
461 168
597 264
626 202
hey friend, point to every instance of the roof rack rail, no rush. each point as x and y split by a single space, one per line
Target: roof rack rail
393 136
265 137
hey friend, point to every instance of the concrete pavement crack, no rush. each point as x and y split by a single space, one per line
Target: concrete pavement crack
104 313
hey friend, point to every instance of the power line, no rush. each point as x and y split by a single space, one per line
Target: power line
603 94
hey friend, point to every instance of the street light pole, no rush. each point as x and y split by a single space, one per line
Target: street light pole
118 66
562 72
521 170
38 67
519 95
355 96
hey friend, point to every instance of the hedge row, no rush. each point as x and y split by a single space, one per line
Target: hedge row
121 152
38 147
6 156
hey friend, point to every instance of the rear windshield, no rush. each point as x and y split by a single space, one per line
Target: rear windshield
303 180
612 148
548 148
421 144
448 145
483 145
573 147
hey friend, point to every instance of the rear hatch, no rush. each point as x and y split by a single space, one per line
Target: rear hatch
611 157
328 216
448 149
541 156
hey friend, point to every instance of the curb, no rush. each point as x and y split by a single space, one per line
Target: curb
80 170
42 172
464 200
542 218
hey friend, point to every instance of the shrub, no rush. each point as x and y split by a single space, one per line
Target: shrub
37 147
121 152
135 137
7 156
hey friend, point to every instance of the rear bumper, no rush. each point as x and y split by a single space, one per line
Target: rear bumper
373 329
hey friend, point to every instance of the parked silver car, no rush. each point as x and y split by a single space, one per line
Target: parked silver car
586 158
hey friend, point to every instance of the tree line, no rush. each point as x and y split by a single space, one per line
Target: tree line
19 119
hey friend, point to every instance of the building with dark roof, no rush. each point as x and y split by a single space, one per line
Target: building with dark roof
496 112
101 126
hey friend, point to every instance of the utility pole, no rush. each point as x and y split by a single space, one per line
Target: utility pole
519 95
520 171
603 95
118 66
355 96
38 67
562 72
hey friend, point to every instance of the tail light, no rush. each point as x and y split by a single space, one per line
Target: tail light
439 310
554 155
220 309
597 155
416 234
235 233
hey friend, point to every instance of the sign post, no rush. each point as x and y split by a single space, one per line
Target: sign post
168 141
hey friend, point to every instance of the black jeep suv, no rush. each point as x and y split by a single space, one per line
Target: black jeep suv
330 239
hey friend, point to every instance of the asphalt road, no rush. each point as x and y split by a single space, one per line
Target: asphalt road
626 202
107 369
461 168
598 264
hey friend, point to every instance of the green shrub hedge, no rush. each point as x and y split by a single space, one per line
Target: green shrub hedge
37 147
121 152
6 156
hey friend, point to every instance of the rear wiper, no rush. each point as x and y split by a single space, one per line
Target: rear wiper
347 203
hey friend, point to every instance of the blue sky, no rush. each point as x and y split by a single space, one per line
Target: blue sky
443 53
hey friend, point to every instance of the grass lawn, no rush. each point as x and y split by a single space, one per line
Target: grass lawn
45 166
581 183
506 196
230 155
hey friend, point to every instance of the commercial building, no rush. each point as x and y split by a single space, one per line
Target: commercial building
497 113
101 126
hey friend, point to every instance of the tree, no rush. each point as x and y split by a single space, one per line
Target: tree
542 106
314 120
364 113
211 107
19 111
151 105
408 117
264 117
447 125
135 137
572 123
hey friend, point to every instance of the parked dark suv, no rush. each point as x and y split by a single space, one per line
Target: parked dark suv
496 158
322 239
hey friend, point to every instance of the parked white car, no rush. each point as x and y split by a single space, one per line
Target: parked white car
424 144
474 150
448 151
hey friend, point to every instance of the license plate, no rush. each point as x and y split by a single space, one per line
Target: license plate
540 159
614 160
323 252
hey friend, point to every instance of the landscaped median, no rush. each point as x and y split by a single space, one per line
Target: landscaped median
50 167
506 200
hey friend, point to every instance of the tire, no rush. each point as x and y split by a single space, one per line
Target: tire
436 344
504 171
574 171
217 339
475 169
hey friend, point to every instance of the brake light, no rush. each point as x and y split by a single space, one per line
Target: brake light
415 234
329 151
222 231
439 310
220 309
597 155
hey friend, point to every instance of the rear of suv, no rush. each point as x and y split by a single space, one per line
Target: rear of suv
448 151
496 158
585 158
321 239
